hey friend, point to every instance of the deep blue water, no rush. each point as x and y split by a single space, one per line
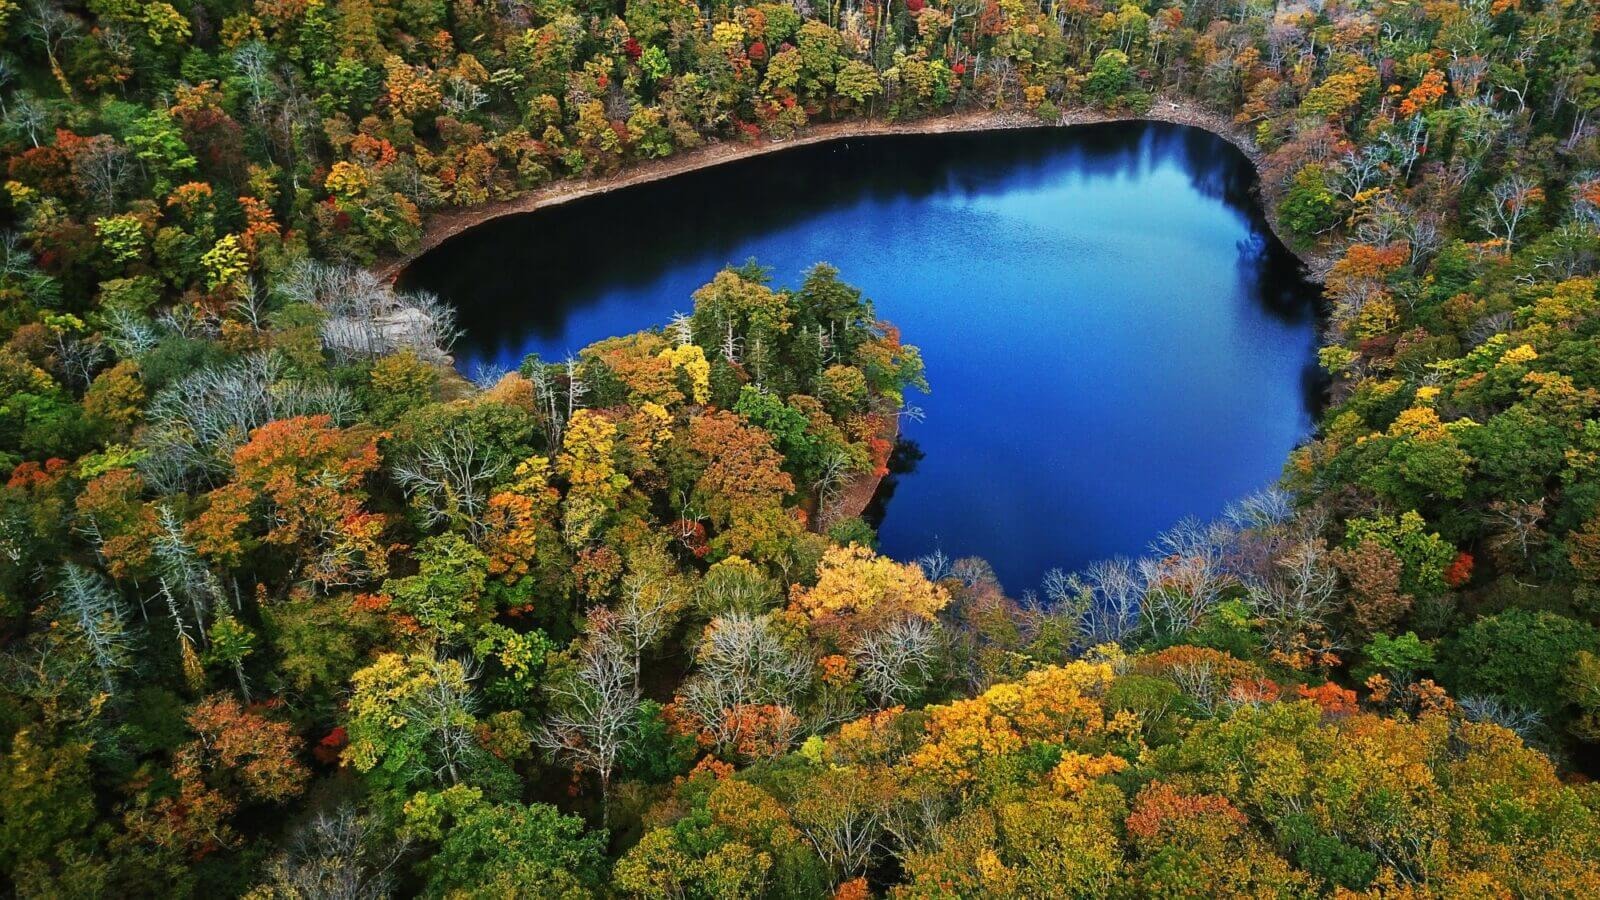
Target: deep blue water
1114 338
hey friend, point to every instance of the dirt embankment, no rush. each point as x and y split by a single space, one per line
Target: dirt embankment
445 224
854 497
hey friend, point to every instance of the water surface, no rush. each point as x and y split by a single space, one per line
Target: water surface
1114 338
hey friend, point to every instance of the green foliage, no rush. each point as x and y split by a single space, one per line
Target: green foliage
174 172
1424 555
1400 658
1519 655
496 850
1309 208
444 594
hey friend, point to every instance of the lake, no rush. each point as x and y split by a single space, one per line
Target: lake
1114 338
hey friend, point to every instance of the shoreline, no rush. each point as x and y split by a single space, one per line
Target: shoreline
857 494
447 223
854 498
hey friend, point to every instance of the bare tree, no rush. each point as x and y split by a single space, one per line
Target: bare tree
1117 596
743 662
77 359
1512 200
364 317
128 334
833 474
463 96
341 855
443 710
26 115
1101 603
1516 525
594 709
646 613
842 815
1296 605
448 477
1526 723
1186 577
196 423
1567 252
183 579
895 662
50 25
935 565
1360 170
251 304
103 166
253 62
90 604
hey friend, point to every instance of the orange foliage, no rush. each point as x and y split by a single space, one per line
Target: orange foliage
298 485
1333 700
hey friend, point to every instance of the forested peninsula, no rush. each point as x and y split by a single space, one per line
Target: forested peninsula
290 609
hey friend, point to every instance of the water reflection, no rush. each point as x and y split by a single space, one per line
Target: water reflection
1114 338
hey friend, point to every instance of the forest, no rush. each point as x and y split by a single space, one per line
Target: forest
291 609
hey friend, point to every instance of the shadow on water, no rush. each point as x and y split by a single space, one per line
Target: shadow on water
903 461
1114 336
567 256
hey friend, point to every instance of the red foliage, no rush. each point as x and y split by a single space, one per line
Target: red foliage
31 475
692 535
327 750
632 48
854 889
1161 813
1460 571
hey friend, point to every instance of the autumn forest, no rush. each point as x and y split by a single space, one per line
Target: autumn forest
294 607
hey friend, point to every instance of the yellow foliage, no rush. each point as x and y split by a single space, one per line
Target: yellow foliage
858 587
1519 355
691 361
1076 771
1055 704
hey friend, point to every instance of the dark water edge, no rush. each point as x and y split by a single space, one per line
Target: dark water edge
1114 337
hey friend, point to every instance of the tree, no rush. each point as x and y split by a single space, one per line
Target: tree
298 486
412 720
1519 655
341 854
511 849
1309 208
1510 201
89 604
1186 578
746 664
586 459
594 704
733 839
242 752
741 486
1297 605
444 596
895 662
1109 79
857 590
